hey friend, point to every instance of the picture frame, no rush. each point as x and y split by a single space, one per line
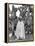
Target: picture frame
19 22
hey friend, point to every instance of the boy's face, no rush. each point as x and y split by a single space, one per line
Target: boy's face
20 18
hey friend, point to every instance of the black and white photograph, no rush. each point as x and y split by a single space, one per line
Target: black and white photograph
20 22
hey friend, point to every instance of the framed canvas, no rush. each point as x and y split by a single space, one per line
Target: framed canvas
19 22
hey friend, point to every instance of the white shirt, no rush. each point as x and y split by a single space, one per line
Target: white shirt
20 31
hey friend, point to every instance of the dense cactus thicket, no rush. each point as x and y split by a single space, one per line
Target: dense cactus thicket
25 14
